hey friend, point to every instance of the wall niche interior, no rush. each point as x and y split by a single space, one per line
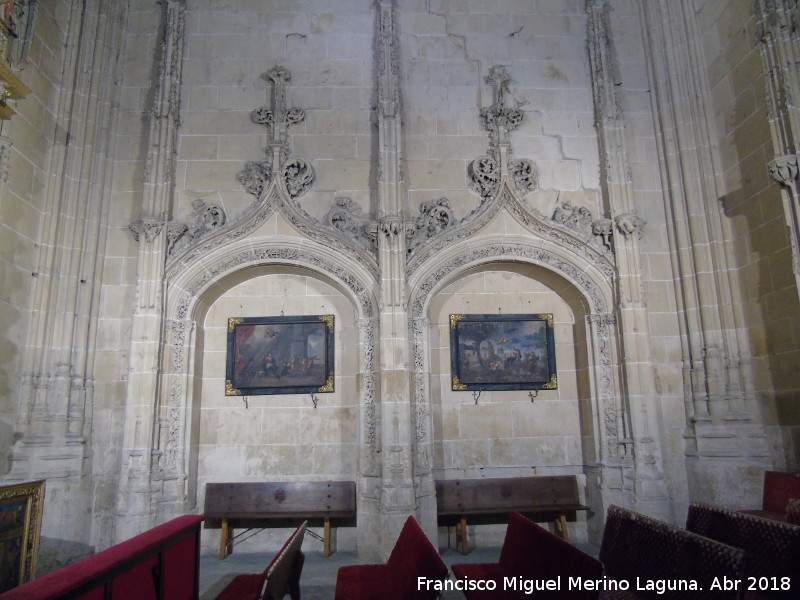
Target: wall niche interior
505 433
275 437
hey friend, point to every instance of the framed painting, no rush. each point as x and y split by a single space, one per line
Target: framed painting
502 352
20 524
279 355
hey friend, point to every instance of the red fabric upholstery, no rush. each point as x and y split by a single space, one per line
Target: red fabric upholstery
413 556
244 587
778 489
131 581
530 552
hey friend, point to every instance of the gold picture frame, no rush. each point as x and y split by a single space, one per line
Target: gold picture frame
21 507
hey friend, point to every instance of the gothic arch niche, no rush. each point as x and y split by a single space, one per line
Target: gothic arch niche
263 276
573 430
275 437
505 434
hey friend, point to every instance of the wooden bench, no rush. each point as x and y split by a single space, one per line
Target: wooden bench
248 504
461 498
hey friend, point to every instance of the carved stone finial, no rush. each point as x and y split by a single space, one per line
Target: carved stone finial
298 174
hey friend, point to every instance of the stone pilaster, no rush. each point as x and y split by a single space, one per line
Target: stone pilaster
778 22
142 470
57 391
628 231
716 353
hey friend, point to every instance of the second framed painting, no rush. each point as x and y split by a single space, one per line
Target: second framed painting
280 355
502 352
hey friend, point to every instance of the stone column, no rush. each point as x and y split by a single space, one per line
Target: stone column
143 411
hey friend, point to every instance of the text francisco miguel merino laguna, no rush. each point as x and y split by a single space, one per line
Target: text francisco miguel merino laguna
529 586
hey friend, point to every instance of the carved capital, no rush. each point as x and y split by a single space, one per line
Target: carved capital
147 229
391 226
784 170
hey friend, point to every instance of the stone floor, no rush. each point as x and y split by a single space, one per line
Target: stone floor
318 581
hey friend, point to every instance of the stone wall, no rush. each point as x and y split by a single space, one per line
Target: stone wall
393 163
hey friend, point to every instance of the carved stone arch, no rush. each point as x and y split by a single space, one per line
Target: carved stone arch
196 287
589 286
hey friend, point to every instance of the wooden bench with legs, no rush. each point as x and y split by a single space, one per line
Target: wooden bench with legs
249 504
555 495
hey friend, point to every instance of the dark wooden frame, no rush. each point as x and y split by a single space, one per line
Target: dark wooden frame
20 532
252 370
530 364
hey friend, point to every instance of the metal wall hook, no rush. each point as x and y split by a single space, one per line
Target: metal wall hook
476 394
314 399
246 402
533 394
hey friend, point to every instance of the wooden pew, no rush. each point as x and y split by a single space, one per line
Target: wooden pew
641 551
772 548
555 495
246 504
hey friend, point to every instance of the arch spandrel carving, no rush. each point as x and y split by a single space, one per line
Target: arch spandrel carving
580 248
275 199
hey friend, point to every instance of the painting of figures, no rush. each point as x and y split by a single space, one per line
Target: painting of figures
502 352
279 355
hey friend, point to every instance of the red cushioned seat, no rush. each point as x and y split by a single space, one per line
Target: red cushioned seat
413 556
530 553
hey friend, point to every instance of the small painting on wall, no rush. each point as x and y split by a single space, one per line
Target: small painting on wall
21 507
502 352
279 355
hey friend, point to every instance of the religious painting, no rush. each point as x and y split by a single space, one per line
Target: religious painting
20 524
279 355
502 352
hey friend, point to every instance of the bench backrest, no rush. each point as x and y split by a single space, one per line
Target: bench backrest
465 496
635 545
286 566
533 552
772 548
158 564
779 488
275 499
414 556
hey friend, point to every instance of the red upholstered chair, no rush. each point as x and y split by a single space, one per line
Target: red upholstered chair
281 577
779 488
530 552
413 556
